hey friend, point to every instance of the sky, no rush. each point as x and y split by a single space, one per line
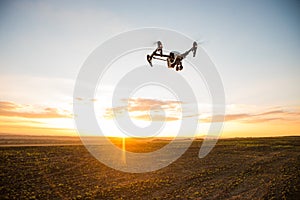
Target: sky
255 46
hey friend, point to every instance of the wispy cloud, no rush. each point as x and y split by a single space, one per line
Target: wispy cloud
11 109
156 118
275 114
139 109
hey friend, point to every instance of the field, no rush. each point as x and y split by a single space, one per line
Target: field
260 168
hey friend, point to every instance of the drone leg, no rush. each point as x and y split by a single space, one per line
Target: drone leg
169 63
149 59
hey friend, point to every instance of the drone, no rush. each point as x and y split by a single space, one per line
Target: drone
174 59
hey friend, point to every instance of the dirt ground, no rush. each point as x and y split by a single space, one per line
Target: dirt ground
261 168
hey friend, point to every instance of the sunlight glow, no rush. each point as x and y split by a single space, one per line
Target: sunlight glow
124 150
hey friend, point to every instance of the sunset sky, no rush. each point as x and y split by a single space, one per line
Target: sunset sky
255 46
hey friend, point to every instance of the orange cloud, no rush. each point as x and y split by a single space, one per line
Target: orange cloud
141 105
10 109
32 129
273 115
156 118
139 108
29 119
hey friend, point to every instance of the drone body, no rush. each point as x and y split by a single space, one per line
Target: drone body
174 59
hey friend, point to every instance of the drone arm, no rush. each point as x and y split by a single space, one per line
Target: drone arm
186 53
193 49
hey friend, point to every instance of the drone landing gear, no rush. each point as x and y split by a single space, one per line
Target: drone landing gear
149 60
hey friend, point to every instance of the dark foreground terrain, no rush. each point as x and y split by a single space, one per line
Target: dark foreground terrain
263 168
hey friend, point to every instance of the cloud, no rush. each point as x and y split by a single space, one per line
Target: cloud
139 109
10 109
31 129
236 116
271 115
156 118
141 104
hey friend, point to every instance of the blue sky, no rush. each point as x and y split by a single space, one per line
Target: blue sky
255 45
